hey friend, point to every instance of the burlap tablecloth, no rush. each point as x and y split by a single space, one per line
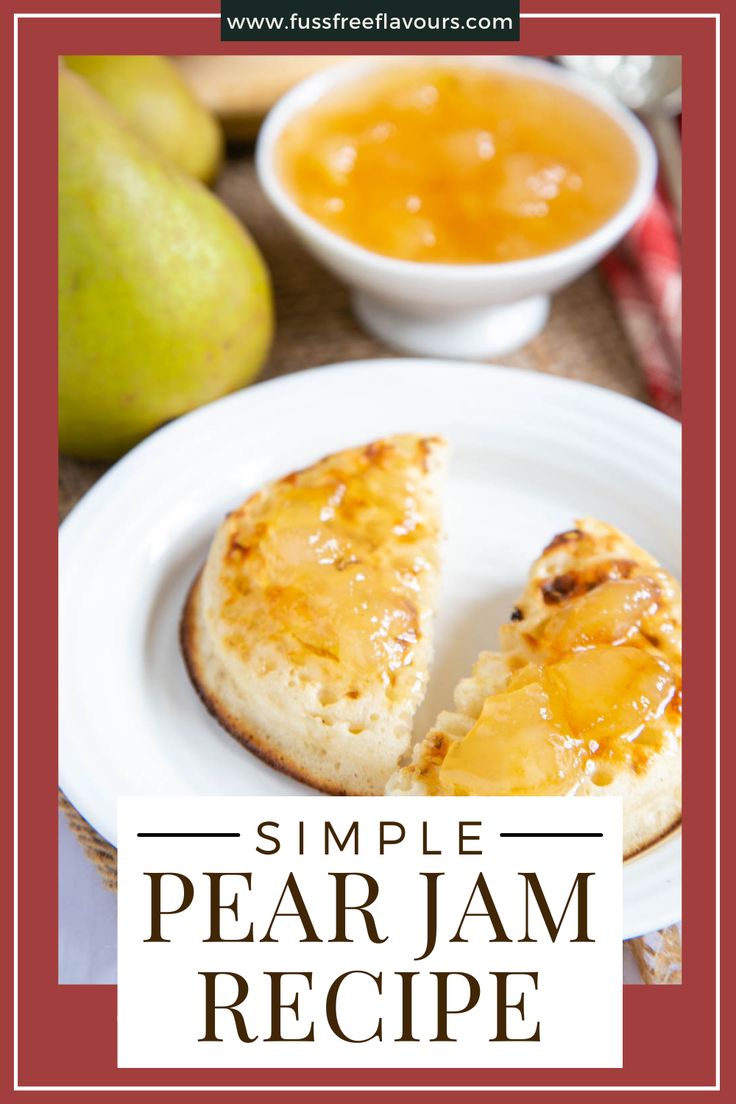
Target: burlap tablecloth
583 340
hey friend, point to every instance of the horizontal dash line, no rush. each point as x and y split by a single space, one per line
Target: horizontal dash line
550 835
186 835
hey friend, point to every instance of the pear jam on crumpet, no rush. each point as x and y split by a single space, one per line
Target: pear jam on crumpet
593 685
457 165
584 698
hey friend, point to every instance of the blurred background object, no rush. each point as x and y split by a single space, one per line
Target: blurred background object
241 89
644 82
511 159
644 274
164 299
652 85
150 94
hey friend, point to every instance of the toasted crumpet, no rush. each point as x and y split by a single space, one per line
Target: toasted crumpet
308 631
584 699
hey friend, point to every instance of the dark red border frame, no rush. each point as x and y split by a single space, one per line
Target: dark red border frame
67 1034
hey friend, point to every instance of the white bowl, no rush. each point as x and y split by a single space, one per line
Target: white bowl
473 310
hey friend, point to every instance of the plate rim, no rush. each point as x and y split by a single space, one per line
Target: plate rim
155 439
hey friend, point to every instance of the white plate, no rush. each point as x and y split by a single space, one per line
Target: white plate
530 453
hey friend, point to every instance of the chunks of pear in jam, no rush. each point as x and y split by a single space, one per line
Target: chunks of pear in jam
608 693
361 613
514 748
610 613
541 736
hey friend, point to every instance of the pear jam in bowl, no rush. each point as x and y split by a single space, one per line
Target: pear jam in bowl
459 165
454 196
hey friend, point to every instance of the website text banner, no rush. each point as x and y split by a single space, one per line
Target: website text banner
421 932
274 22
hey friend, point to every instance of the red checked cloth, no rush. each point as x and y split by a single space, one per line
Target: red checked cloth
644 275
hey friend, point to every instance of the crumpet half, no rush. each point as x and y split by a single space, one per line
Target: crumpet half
585 698
308 631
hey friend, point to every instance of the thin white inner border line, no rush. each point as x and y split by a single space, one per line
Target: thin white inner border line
716 1086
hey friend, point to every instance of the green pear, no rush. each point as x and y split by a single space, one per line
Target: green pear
153 97
164 300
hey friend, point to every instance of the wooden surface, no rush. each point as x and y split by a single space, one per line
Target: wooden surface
241 88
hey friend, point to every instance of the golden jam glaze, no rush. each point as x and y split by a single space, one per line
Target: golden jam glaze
560 721
330 564
458 165
595 686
